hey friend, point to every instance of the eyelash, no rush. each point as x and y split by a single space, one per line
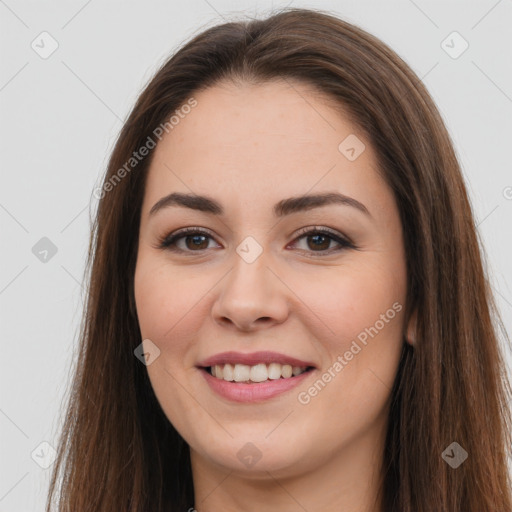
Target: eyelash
168 242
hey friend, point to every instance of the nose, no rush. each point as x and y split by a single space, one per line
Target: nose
251 297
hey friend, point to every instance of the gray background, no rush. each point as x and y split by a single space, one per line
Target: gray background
59 120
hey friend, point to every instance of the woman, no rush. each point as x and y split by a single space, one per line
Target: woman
287 302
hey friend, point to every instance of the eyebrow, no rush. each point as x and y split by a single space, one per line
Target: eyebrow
281 209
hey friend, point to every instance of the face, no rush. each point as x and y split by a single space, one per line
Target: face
318 284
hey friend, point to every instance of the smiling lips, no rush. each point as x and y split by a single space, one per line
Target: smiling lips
255 367
253 377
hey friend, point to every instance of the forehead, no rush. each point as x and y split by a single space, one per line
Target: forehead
260 140
242 120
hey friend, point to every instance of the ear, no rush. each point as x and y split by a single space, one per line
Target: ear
411 328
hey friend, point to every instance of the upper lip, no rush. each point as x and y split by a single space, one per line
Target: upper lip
253 359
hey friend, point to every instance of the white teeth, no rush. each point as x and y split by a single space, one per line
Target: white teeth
286 371
257 373
241 372
218 371
274 371
227 372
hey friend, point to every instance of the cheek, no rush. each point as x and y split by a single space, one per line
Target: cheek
168 309
172 304
362 316
165 303
350 299
152 299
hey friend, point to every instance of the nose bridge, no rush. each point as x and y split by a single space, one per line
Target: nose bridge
250 266
250 291
249 279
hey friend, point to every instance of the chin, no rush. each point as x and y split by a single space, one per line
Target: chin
256 456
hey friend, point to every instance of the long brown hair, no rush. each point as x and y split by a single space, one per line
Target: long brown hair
118 451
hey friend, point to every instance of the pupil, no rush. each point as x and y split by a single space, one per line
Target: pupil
319 245
195 242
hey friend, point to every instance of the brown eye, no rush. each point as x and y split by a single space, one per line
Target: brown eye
195 240
319 241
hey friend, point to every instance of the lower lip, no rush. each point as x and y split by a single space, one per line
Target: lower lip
239 392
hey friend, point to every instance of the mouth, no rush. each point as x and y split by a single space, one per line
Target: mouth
254 377
246 374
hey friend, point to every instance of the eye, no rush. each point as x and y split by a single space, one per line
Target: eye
318 240
195 240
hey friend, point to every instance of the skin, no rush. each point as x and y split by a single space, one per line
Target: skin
248 147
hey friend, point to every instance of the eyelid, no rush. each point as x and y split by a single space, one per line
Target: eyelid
325 230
